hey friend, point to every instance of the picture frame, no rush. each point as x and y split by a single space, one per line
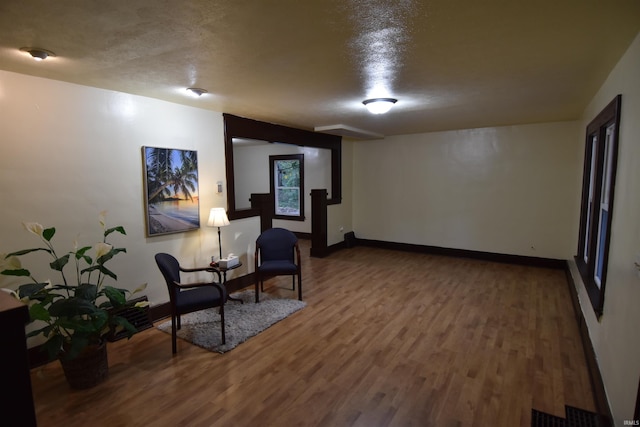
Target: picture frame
171 192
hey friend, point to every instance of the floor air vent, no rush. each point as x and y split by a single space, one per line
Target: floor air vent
542 419
574 418
138 317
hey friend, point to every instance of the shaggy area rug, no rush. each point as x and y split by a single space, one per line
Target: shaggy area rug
242 321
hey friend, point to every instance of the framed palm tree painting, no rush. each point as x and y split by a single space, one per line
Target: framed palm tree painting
171 190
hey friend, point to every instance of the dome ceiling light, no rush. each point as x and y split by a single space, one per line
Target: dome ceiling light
37 53
379 105
196 91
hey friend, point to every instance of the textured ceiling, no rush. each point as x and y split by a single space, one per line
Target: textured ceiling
451 64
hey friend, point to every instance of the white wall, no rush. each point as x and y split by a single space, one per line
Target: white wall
68 152
339 217
615 337
508 190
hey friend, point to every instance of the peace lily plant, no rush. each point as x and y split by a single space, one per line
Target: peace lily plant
76 313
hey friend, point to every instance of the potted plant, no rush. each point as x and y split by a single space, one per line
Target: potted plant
77 314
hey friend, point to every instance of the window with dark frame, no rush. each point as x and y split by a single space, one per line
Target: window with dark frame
287 186
598 182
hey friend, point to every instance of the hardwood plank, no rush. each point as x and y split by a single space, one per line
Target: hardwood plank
388 339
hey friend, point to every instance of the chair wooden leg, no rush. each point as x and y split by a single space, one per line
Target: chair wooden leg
174 345
224 338
257 291
293 283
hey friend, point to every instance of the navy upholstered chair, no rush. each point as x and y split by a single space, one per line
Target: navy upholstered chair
189 297
277 254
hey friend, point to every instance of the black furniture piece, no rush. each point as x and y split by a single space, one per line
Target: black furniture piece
189 297
16 397
277 254
215 268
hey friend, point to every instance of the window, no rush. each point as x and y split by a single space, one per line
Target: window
598 182
287 186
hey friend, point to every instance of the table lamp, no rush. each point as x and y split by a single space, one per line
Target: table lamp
218 218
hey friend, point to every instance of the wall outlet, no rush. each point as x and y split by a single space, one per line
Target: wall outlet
341 229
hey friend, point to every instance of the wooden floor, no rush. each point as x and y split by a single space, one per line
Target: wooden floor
387 339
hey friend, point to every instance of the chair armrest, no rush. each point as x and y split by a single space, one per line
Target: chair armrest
192 270
208 269
200 285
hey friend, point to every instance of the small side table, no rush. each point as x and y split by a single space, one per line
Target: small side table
223 270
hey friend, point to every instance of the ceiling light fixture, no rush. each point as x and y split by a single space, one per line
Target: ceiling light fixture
37 53
196 91
379 105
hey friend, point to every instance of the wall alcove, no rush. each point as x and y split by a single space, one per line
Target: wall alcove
236 128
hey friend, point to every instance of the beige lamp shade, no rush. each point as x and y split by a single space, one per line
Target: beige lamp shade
218 218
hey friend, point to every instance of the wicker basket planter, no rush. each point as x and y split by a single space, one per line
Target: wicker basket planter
89 369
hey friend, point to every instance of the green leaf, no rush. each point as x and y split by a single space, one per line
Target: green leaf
18 272
29 289
86 291
119 229
102 269
101 318
90 269
48 233
39 312
59 263
48 329
123 290
106 271
88 326
26 251
106 305
106 257
63 287
74 324
44 331
80 253
119 323
53 346
72 307
116 296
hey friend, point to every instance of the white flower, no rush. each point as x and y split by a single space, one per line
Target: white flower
34 228
139 288
11 263
11 292
102 249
